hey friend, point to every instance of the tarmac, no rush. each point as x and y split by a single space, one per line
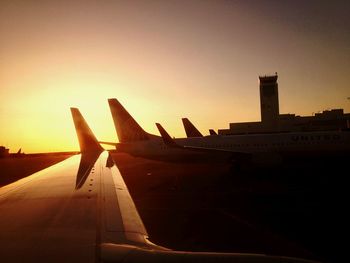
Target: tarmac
15 168
294 209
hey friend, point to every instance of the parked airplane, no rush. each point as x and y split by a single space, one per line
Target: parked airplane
80 210
221 153
135 141
282 144
263 148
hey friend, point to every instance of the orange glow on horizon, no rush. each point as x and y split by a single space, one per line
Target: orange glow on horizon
162 61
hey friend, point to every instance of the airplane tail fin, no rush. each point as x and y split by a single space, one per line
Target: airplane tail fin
166 137
128 130
87 140
191 130
212 132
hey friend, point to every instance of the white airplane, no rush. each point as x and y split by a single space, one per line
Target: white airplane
262 148
80 210
137 142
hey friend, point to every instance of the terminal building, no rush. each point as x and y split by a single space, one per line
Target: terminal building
274 122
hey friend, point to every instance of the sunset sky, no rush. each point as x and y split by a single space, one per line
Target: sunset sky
164 60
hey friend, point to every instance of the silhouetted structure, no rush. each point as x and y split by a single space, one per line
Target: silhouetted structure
272 121
269 99
4 152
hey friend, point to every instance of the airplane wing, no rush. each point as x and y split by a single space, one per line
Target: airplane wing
63 213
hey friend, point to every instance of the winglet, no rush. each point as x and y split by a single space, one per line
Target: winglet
166 137
190 129
87 140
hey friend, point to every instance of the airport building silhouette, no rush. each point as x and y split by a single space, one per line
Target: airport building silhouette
4 152
274 122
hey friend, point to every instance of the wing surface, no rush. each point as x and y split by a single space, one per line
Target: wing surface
65 212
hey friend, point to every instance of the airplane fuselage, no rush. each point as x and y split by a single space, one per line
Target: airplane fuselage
329 141
301 143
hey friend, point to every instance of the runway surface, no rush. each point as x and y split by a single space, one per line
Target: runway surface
13 169
296 209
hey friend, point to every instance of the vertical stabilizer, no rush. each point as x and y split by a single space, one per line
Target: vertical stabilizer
212 132
166 137
191 130
127 128
87 140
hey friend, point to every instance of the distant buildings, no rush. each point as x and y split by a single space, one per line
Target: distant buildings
272 121
4 152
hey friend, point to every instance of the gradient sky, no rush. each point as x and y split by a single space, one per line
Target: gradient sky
164 60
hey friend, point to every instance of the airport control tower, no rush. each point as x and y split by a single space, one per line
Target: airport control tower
272 121
269 99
